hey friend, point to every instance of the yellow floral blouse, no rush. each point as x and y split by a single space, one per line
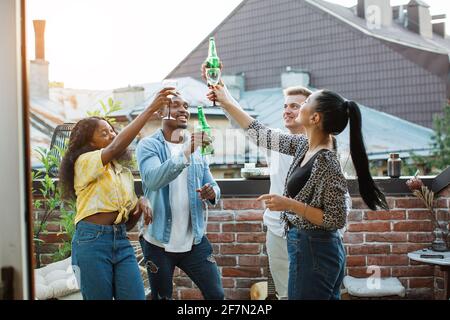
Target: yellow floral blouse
102 188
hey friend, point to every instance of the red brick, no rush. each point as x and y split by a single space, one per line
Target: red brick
412 271
190 294
356 261
413 226
242 227
420 237
386 237
237 294
53 227
253 261
369 249
54 237
226 261
358 203
354 216
369 226
407 247
385 215
221 216
388 260
220 237
419 215
240 249
438 272
242 272
445 193
242 204
213 227
228 283
250 216
48 248
441 203
362 272
440 283
443 215
182 282
420 294
409 203
251 237
350 237
421 282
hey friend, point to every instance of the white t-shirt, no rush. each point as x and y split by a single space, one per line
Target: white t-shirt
279 165
181 236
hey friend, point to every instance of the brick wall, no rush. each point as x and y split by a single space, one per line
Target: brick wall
381 238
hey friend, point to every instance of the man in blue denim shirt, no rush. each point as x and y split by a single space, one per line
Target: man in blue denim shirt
176 179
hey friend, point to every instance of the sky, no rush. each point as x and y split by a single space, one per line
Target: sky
107 44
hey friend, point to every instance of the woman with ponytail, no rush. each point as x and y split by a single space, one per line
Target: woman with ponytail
314 203
107 207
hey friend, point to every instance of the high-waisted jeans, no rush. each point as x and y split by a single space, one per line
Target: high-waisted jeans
316 264
105 264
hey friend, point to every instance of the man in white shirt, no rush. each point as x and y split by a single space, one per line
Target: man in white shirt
279 166
177 181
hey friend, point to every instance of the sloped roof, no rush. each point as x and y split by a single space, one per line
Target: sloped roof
383 133
395 33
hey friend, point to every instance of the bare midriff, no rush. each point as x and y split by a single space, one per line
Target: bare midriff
103 218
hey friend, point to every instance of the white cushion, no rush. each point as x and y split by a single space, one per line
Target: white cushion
55 280
374 287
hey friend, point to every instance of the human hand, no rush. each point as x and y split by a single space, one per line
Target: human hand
143 207
198 139
276 202
206 192
203 70
162 100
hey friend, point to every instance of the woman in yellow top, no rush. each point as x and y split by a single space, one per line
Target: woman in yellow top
107 206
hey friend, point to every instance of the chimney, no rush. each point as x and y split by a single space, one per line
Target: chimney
377 13
293 78
39 29
439 27
39 67
419 18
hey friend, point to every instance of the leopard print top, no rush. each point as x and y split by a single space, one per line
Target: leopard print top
326 188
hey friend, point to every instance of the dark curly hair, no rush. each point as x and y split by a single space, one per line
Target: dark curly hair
79 143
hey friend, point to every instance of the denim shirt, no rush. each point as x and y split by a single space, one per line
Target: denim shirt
158 168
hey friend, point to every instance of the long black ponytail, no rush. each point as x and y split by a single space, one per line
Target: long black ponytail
336 113
368 190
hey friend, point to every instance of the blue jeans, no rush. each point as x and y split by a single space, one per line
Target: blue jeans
316 264
198 264
105 264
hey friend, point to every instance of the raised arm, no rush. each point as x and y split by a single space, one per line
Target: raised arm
127 134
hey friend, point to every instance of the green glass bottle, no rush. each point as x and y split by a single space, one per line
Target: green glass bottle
212 61
204 127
